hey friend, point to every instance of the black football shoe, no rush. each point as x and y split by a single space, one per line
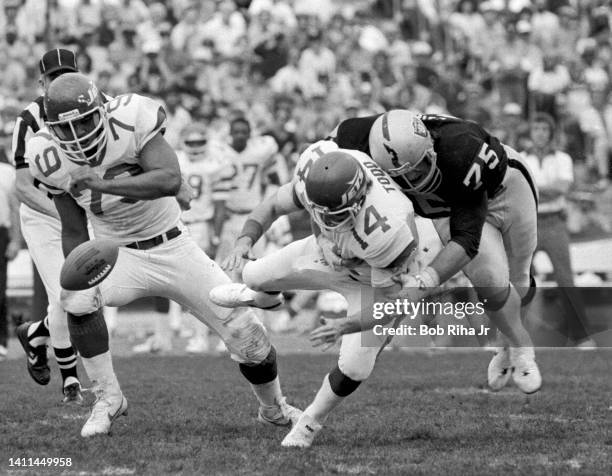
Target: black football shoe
38 365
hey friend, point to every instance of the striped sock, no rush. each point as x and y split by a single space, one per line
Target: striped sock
66 360
38 333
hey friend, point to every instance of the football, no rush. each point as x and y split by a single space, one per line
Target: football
88 264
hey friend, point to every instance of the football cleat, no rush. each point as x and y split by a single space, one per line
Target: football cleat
500 370
525 373
38 365
279 415
72 391
106 409
303 433
240 295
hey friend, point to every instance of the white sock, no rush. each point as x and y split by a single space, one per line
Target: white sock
269 394
324 402
100 369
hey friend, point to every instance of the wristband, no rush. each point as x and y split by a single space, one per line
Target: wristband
428 278
251 229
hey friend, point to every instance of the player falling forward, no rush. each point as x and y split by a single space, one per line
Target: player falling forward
361 212
111 164
483 202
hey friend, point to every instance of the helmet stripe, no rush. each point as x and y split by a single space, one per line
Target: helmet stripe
385 127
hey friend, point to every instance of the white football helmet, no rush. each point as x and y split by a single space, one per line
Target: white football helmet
194 141
401 144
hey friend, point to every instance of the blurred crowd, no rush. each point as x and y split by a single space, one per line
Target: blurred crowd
296 67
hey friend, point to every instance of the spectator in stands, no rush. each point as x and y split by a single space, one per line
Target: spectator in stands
10 242
553 173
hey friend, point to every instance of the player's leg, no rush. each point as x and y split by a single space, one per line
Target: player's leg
358 354
89 333
43 237
514 212
298 265
186 275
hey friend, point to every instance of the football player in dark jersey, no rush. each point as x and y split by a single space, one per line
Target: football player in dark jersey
483 202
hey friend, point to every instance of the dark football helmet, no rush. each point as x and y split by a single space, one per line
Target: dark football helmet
336 187
77 119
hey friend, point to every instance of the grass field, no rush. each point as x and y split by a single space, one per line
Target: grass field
421 413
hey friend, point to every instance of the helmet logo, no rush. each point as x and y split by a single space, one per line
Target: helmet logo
393 154
353 189
92 93
419 127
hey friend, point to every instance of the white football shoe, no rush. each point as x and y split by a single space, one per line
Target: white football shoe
282 414
525 371
500 369
109 405
303 433
240 295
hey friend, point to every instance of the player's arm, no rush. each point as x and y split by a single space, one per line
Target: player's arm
27 193
282 202
74 222
14 244
161 176
466 223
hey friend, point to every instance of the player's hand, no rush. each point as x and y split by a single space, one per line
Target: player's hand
326 335
84 178
331 254
12 250
410 287
235 260
185 194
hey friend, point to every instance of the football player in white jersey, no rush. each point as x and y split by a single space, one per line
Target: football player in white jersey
250 156
111 164
365 217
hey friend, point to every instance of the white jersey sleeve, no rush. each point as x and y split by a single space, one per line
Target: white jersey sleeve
150 119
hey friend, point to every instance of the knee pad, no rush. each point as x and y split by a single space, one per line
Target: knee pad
80 303
247 339
493 298
263 372
531 292
358 367
341 384
89 333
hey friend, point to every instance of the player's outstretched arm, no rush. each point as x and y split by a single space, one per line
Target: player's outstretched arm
161 176
259 220
74 222
27 193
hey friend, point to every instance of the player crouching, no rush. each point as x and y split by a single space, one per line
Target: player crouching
110 163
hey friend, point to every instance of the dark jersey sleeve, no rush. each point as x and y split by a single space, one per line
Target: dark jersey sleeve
467 219
354 133
27 124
